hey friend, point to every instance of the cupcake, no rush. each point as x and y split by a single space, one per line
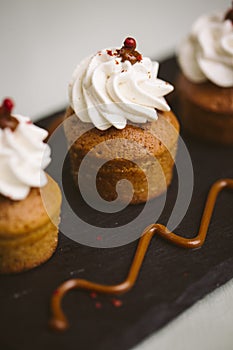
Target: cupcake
120 123
205 83
30 199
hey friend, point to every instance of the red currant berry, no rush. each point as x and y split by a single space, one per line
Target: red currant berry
130 43
8 104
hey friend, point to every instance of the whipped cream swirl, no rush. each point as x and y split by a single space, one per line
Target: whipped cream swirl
23 156
107 92
207 52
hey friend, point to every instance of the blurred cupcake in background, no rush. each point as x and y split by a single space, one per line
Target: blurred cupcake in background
205 83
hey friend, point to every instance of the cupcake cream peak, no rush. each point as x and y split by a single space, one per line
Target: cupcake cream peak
207 52
23 157
107 90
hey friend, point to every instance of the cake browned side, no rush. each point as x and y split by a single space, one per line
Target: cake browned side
136 153
29 228
206 110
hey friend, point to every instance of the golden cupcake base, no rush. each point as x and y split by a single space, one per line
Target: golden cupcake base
136 153
29 228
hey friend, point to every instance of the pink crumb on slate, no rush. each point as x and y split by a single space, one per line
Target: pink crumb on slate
116 302
98 305
93 295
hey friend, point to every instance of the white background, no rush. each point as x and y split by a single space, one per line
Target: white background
41 41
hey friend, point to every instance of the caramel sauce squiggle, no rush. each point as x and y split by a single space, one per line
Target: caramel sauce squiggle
59 321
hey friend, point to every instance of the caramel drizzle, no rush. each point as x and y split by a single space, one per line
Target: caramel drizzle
59 321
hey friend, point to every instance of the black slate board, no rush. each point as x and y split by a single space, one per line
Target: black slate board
171 279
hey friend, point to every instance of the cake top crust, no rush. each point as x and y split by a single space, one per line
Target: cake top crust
155 137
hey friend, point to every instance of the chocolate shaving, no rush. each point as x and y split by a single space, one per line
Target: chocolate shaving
7 120
229 14
128 54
